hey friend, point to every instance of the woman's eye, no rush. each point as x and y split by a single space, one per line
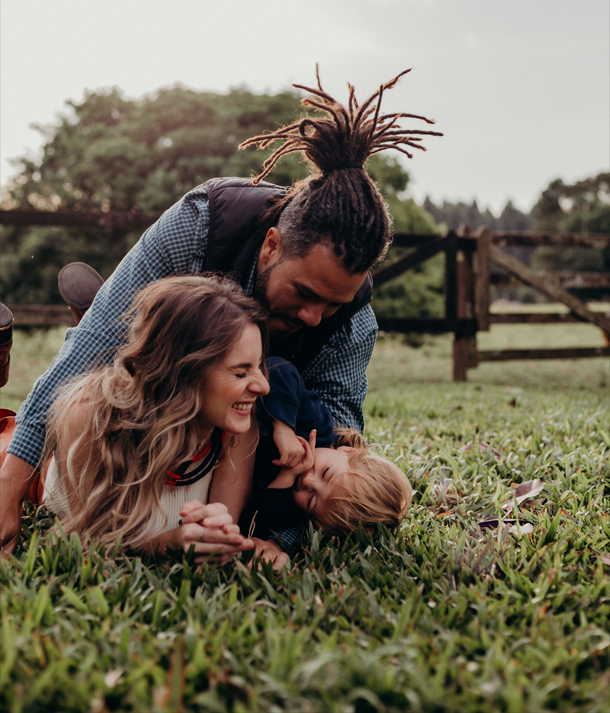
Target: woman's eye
241 376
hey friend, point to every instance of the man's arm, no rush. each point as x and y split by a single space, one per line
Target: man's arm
338 373
15 479
175 244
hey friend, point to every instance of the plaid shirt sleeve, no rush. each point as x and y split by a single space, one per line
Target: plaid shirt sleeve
338 373
174 245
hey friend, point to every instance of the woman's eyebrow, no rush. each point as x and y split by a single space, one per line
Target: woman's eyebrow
245 365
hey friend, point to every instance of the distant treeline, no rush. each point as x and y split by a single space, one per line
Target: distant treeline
455 214
583 207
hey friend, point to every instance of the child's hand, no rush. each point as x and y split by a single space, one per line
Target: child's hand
287 476
289 445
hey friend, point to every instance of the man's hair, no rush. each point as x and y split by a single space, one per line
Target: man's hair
140 413
338 204
374 490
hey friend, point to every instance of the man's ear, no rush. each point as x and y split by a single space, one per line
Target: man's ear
271 249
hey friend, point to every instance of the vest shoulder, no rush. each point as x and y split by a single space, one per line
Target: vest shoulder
218 186
236 207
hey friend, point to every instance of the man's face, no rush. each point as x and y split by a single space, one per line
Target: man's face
301 291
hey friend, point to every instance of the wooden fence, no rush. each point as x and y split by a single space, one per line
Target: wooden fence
468 279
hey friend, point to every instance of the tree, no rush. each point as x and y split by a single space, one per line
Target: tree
583 207
110 153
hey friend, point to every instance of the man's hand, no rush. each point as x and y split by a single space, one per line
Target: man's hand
10 528
270 551
288 444
15 479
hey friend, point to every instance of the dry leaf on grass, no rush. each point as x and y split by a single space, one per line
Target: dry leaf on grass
529 489
492 523
482 446
525 529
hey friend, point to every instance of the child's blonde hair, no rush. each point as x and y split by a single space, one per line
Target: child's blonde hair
374 490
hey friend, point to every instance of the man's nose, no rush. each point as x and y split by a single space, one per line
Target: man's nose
311 314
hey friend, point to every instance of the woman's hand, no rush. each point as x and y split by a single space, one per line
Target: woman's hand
287 476
210 529
288 444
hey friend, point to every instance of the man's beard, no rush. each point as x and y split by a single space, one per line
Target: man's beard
260 295
260 288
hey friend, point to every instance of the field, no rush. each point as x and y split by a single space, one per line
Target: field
443 616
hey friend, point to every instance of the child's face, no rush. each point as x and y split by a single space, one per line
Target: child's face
312 489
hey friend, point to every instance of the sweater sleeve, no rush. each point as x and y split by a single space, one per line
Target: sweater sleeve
290 402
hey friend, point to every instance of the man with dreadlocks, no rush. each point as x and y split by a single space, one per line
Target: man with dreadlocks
304 252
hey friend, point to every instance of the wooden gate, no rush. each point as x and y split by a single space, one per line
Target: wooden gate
468 278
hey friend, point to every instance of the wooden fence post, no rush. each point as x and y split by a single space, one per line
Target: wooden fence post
464 342
482 279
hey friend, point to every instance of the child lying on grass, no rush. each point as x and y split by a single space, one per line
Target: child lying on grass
337 485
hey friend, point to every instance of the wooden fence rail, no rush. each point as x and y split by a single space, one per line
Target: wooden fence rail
468 277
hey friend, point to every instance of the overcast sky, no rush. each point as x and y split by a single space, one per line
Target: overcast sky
521 88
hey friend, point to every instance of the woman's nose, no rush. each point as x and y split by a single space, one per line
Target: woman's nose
260 385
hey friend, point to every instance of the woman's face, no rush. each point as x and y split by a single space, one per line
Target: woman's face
234 384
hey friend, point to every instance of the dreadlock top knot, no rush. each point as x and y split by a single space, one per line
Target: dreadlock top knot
340 206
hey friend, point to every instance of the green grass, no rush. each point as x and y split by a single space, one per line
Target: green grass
440 617
31 354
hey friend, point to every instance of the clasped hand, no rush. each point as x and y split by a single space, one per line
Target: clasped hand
210 528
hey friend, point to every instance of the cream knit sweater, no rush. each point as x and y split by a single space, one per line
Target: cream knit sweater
172 498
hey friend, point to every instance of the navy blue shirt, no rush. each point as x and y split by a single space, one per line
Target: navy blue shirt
290 402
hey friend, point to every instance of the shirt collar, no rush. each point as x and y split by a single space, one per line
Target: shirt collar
251 281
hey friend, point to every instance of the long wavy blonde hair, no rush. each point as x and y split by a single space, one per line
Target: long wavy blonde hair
139 414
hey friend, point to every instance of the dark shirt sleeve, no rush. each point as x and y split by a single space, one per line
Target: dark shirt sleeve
270 511
290 402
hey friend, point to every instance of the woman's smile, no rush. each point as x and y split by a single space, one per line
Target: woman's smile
244 407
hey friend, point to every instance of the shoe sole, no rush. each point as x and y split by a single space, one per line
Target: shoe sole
78 284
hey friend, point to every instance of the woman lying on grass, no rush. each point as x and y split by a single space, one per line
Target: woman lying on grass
142 446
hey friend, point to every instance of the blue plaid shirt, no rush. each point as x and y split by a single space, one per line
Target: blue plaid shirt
176 245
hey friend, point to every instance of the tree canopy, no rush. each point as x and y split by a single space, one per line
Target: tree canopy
583 207
112 153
